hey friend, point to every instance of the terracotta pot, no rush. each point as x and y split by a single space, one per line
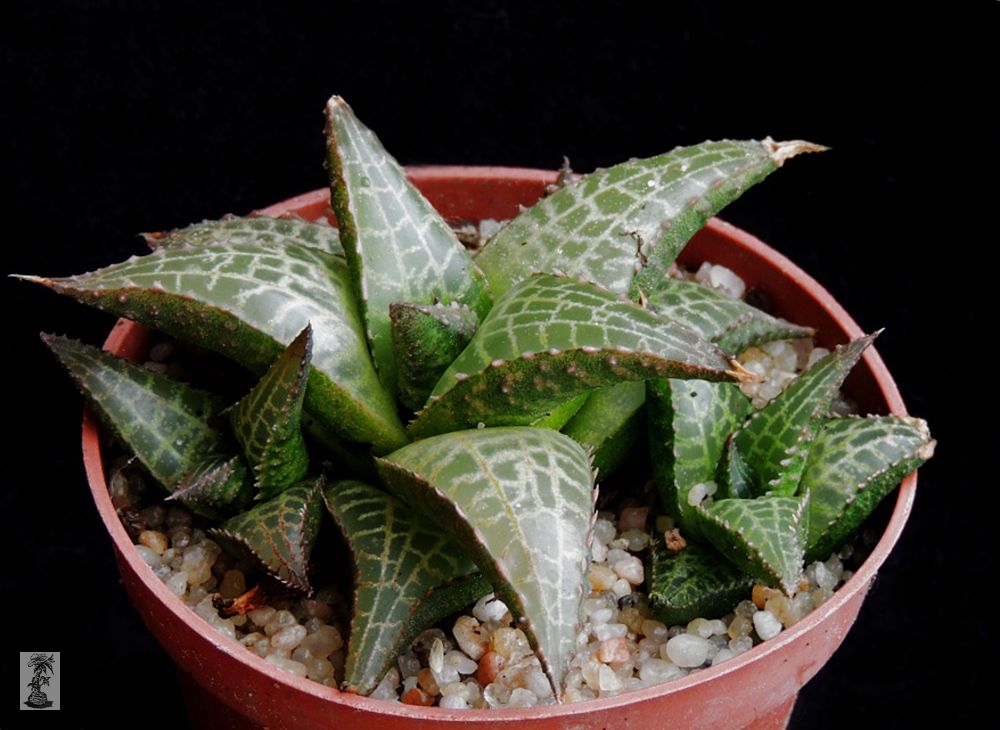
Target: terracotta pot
227 686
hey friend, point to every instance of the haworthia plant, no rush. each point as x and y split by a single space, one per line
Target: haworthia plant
398 247
568 318
521 502
410 574
551 338
623 227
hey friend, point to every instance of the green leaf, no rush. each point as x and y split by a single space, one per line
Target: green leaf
216 486
775 440
253 230
409 572
398 247
610 423
551 338
267 421
425 340
731 324
694 582
279 533
163 422
520 501
562 413
854 463
633 217
248 302
689 422
763 536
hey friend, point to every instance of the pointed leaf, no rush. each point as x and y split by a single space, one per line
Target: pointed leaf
610 423
694 582
267 421
398 247
163 422
731 324
520 500
854 463
254 230
689 422
248 302
215 486
733 477
633 217
560 415
775 439
279 533
409 575
763 536
551 338
425 340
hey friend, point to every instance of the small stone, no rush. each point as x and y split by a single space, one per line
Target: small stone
621 588
177 583
154 516
633 518
490 608
740 645
607 680
604 531
471 636
614 650
722 656
496 695
783 610
154 540
178 517
289 665
700 627
387 689
686 650
289 637
766 624
460 662
419 697
655 671
233 584
510 643
740 626
319 670
601 577
454 702
520 697
745 608
610 631
323 642
280 620
149 556
630 569
262 616
425 678
761 593
489 667
408 664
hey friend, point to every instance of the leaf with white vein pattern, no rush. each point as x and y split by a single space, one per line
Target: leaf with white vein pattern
520 501
551 338
255 229
622 227
853 464
248 302
409 575
730 323
398 246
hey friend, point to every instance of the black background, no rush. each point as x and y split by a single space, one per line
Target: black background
122 117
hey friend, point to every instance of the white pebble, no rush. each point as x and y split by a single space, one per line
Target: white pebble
686 650
655 671
454 702
388 688
287 664
149 556
177 583
489 608
630 569
604 531
520 697
766 624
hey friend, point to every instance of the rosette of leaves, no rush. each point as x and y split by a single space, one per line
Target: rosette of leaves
518 370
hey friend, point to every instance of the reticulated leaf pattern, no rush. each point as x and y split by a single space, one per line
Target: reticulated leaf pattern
254 230
520 500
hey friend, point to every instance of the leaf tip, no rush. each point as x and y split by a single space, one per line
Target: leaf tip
779 152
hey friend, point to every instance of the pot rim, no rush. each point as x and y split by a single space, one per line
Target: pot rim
124 329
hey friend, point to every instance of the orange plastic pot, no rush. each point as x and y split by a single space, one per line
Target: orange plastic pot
227 686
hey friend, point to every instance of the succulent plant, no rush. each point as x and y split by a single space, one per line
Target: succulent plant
481 391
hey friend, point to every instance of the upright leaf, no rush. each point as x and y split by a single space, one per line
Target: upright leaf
775 440
763 536
398 247
425 340
253 230
279 533
551 338
163 422
520 501
622 227
692 583
409 575
610 423
689 422
730 323
853 464
248 302
267 421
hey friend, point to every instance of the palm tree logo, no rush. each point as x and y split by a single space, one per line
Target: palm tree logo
42 666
